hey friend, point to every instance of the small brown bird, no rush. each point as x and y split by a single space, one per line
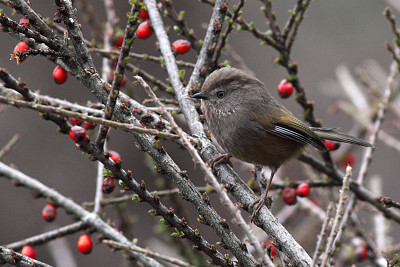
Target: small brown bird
251 125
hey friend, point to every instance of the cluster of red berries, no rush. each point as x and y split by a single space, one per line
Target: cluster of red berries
144 31
49 214
289 194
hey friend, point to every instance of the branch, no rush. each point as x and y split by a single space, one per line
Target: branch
17 259
48 236
71 114
129 36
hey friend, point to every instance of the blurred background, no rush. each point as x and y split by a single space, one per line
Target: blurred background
333 34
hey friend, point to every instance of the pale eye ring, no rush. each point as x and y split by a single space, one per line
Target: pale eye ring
220 94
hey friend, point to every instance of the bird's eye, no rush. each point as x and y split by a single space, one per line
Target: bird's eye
220 94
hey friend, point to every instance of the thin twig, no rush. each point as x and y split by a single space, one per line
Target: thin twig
231 23
147 252
48 236
330 246
322 234
125 198
7 148
146 57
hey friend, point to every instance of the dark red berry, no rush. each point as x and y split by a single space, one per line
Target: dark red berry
114 156
108 185
181 46
25 22
289 196
76 121
303 190
362 252
85 244
49 213
29 252
89 125
285 89
60 75
111 76
77 133
331 145
144 30
118 43
144 15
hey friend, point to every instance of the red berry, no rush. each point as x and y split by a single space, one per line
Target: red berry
181 46
118 43
89 125
76 121
49 213
362 252
114 156
60 75
144 15
303 190
77 133
85 244
331 145
144 30
348 159
29 252
108 185
111 76
20 47
289 196
25 22
285 89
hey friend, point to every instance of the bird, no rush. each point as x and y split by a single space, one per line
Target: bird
251 125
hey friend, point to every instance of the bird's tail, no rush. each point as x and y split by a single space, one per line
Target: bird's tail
332 134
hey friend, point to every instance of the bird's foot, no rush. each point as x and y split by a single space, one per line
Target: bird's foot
259 203
226 158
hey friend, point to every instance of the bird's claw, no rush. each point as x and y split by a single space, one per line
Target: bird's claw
226 158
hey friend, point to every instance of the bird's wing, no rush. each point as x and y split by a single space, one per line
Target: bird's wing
292 128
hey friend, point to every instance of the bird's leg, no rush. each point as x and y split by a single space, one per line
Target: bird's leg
260 179
226 158
263 199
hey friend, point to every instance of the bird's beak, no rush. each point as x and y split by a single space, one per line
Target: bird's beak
200 96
